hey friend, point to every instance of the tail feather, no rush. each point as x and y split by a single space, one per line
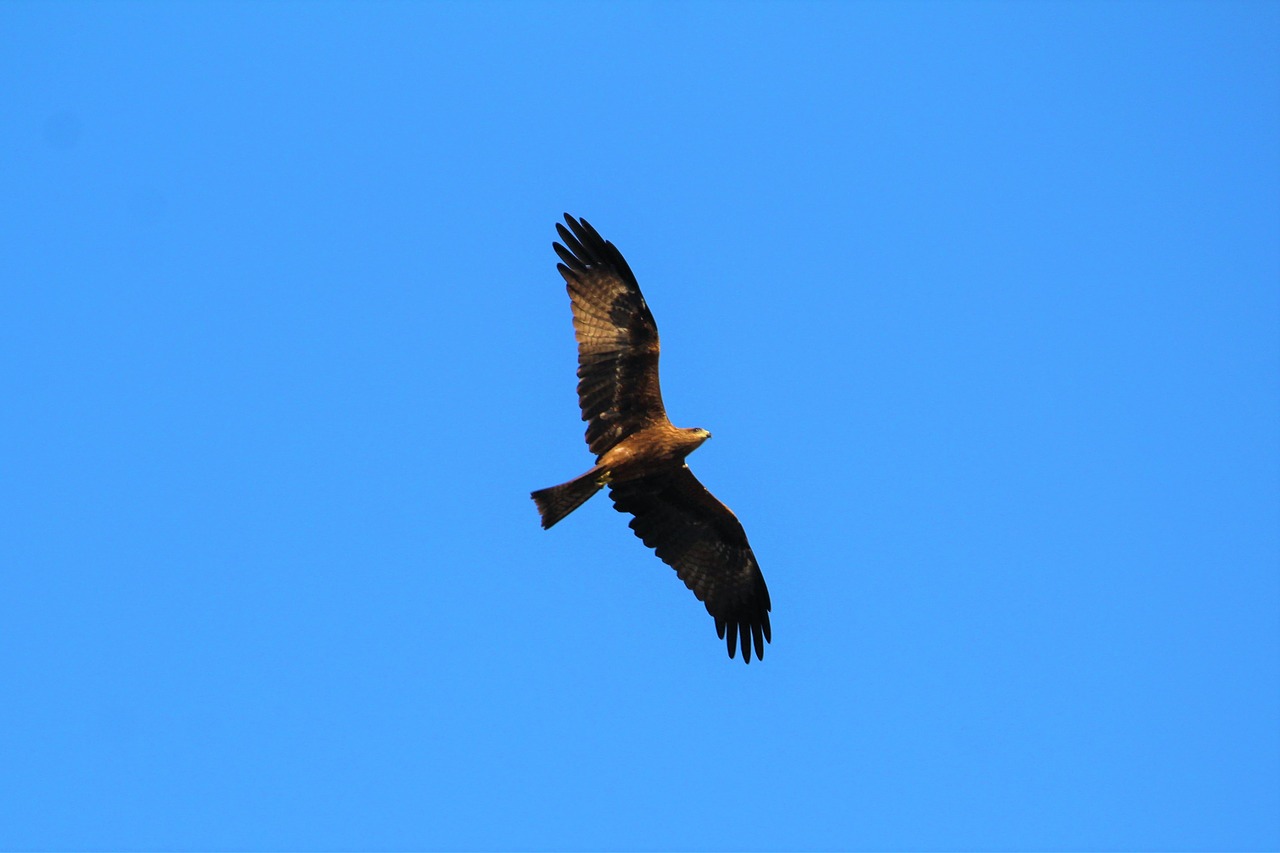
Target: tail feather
558 501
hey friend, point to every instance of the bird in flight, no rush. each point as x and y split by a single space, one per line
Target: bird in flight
640 456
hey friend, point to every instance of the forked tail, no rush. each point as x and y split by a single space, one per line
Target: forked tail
558 501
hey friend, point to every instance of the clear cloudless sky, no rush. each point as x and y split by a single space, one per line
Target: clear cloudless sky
981 302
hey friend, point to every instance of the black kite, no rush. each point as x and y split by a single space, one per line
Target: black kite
640 456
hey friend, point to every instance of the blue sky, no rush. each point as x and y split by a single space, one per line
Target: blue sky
981 302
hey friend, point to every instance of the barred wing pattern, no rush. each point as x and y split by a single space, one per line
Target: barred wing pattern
704 542
617 338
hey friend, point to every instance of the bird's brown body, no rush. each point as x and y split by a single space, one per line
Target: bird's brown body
653 450
640 455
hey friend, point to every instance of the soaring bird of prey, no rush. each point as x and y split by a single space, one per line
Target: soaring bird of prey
640 456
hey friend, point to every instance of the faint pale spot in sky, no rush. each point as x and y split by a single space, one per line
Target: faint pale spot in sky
61 130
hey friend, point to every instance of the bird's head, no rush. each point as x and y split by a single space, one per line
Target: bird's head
700 434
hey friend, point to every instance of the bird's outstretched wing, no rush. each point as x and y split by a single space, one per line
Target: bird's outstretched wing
704 542
617 338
